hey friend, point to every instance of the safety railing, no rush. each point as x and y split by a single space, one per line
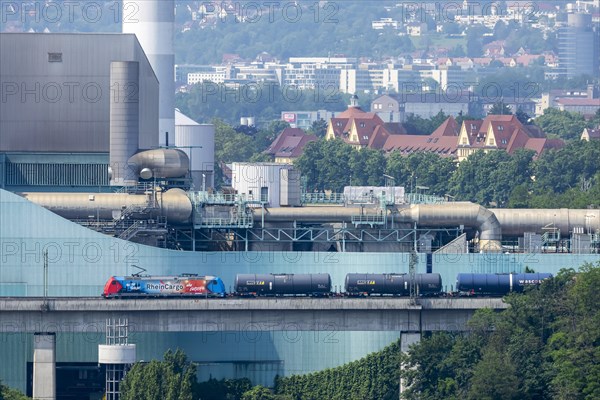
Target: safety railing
323 198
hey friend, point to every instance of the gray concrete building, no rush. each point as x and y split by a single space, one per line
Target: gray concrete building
56 106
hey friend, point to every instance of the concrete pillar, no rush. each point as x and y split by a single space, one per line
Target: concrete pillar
406 340
44 366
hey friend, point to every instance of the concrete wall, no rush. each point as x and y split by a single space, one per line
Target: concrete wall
63 106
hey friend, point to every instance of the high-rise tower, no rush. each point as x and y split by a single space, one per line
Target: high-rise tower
152 21
578 44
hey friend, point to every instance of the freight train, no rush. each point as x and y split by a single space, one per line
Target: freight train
317 285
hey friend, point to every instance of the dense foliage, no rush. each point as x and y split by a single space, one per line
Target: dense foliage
545 346
171 379
224 389
564 124
569 177
7 393
374 377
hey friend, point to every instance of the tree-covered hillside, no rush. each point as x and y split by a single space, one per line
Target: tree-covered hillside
545 346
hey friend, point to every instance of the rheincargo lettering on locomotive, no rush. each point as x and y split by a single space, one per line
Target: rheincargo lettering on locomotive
163 286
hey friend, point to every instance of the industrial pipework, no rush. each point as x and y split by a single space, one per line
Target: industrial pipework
173 204
177 207
438 215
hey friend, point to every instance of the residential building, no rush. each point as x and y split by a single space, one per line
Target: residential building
590 134
443 141
358 128
585 102
501 132
289 145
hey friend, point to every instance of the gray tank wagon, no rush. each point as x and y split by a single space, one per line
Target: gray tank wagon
392 284
283 284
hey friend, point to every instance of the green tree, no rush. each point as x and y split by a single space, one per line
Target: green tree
318 128
563 124
373 377
421 168
231 145
225 389
491 177
7 393
522 116
333 164
575 346
262 393
171 379
494 378
500 108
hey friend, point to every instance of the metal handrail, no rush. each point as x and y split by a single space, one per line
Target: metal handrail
323 198
419 198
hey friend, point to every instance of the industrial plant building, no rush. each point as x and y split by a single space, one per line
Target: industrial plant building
95 183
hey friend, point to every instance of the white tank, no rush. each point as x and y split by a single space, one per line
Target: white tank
244 121
152 22
198 142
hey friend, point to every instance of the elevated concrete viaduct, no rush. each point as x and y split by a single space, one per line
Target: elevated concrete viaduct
276 314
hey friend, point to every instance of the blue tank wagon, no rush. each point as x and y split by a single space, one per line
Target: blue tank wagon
498 284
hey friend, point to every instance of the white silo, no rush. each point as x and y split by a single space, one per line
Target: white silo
152 21
198 142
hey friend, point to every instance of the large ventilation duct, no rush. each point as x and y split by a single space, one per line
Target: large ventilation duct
517 221
124 121
152 21
160 163
173 204
459 213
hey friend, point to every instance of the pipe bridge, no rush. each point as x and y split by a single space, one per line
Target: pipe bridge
89 315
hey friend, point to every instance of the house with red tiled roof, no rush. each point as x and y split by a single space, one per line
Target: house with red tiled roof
358 128
501 132
443 141
289 145
494 49
590 134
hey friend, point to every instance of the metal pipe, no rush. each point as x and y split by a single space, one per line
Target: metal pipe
173 204
459 213
516 221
